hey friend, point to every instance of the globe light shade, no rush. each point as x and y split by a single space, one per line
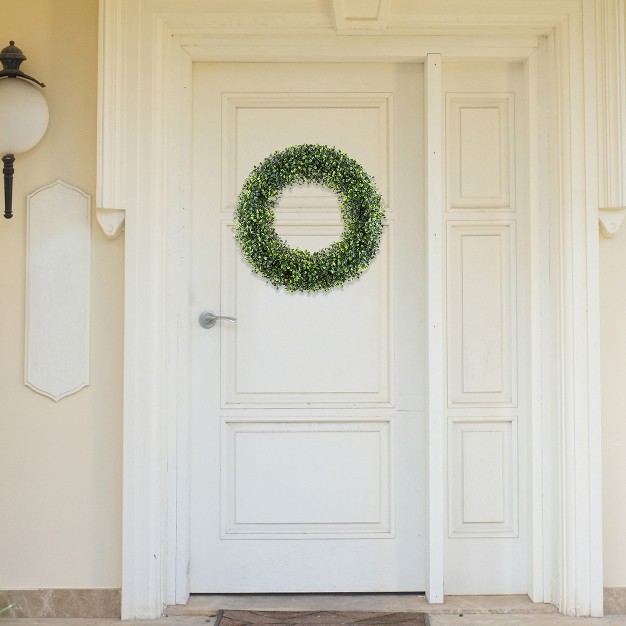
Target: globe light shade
23 115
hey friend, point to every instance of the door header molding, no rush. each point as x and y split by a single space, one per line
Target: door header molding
146 52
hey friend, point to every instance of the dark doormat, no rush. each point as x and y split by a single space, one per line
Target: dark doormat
318 618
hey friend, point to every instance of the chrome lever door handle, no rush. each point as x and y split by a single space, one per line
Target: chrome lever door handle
208 319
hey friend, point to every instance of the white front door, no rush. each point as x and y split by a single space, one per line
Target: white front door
308 427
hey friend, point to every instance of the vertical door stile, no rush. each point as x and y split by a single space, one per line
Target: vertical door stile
538 587
433 108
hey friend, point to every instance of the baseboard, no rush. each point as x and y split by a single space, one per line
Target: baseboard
62 603
615 600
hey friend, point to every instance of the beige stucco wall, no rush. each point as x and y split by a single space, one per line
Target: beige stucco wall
60 463
613 319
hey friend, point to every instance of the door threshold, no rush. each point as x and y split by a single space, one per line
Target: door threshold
209 604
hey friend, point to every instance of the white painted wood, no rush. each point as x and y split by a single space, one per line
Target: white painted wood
364 371
482 332
612 112
269 119
321 439
359 322
58 290
111 165
486 321
481 479
591 543
483 470
151 364
156 354
538 198
179 116
317 498
480 124
435 234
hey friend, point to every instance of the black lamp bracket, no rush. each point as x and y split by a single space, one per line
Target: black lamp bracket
11 58
7 171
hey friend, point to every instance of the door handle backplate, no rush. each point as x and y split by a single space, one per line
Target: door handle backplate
208 319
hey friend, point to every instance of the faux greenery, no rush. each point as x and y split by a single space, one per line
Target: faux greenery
302 270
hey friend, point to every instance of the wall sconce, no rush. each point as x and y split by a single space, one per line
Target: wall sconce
23 115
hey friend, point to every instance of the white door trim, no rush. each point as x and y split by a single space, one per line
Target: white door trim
433 146
146 52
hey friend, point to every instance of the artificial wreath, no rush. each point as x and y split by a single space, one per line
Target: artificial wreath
295 269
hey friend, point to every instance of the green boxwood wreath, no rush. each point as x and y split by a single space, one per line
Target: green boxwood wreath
295 269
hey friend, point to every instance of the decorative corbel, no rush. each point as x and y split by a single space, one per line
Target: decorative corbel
611 219
111 221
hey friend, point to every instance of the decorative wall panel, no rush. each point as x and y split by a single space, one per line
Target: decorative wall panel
481 314
58 290
305 479
481 151
482 477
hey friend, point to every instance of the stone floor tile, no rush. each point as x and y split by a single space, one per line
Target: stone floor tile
245 618
166 621
524 620
393 619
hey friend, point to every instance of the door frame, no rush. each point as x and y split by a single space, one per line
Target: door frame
144 127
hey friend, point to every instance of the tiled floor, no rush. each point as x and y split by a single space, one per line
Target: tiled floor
525 620
435 620
456 611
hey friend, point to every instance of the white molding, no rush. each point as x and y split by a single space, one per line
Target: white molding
435 233
112 101
611 80
538 225
58 269
178 116
140 92
610 44
459 496
112 222
580 445
346 20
